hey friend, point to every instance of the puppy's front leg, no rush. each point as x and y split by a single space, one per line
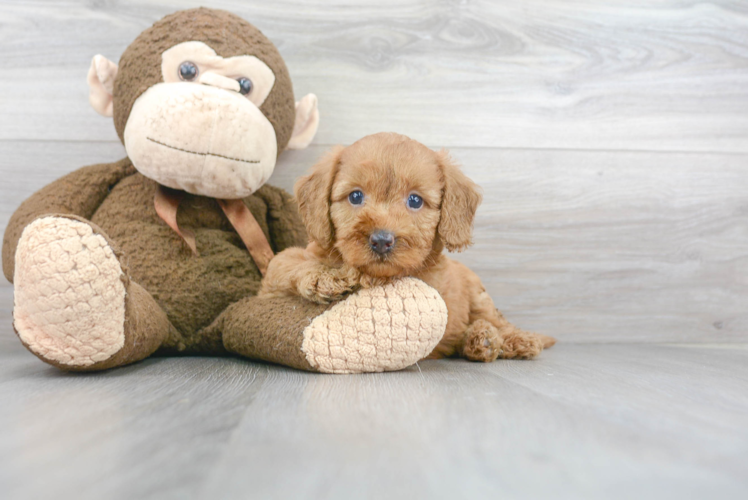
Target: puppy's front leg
295 271
326 284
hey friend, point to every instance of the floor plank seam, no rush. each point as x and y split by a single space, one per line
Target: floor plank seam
454 146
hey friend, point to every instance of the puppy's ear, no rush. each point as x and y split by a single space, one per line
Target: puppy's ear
460 200
313 196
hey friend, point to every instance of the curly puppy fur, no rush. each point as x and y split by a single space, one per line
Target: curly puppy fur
387 168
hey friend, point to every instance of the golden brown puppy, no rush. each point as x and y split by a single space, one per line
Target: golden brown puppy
385 208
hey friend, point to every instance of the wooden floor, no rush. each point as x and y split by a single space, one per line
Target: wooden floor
611 141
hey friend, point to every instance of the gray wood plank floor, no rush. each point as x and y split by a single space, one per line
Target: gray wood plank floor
611 141
583 421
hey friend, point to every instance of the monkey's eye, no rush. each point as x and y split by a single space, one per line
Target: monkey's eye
187 71
356 197
415 202
245 85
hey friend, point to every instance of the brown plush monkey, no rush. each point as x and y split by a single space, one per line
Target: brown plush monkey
164 250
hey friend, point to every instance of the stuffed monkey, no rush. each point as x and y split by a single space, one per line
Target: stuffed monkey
163 251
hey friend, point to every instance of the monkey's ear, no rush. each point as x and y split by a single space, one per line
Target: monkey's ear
313 196
101 85
460 200
307 121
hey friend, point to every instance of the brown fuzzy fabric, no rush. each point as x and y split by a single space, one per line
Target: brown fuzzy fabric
78 193
146 329
192 291
270 329
227 34
146 325
174 299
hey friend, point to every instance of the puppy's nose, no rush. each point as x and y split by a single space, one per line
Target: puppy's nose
381 241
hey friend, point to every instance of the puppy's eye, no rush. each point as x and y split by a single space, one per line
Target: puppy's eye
187 71
415 202
245 85
356 197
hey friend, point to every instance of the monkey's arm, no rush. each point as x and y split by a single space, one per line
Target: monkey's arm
284 222
78 193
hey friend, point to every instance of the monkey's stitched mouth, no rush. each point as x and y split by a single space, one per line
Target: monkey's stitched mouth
201 154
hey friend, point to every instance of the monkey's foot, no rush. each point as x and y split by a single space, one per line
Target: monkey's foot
377 329
69 293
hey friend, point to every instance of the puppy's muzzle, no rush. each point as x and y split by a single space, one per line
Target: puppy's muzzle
382 241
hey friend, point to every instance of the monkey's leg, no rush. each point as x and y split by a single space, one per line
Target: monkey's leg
377 329
75 306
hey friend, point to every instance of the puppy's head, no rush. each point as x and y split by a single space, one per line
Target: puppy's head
387 203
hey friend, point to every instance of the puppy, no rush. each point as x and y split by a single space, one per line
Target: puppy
384 208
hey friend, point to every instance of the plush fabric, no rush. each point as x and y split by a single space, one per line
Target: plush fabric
267 329
163 252
307 121
69 295
226 148
208 62
71 328
159 297
376 329
227 34
192 291
78 193
100 80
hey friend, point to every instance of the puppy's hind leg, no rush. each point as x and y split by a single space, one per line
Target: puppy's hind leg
490 335
482 342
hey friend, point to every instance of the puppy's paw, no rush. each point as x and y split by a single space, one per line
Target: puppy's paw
482 342
367 281
523 345
327 285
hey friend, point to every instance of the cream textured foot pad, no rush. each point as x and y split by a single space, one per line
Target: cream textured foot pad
69 295
378 329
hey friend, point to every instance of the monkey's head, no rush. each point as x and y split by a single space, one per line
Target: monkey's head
203 102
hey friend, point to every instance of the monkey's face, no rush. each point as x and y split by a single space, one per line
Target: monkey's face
203 102
201 130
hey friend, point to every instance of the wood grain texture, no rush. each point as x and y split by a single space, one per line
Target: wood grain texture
583 421
583 245
672 75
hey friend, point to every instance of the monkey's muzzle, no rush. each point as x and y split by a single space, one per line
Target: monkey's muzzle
201 139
